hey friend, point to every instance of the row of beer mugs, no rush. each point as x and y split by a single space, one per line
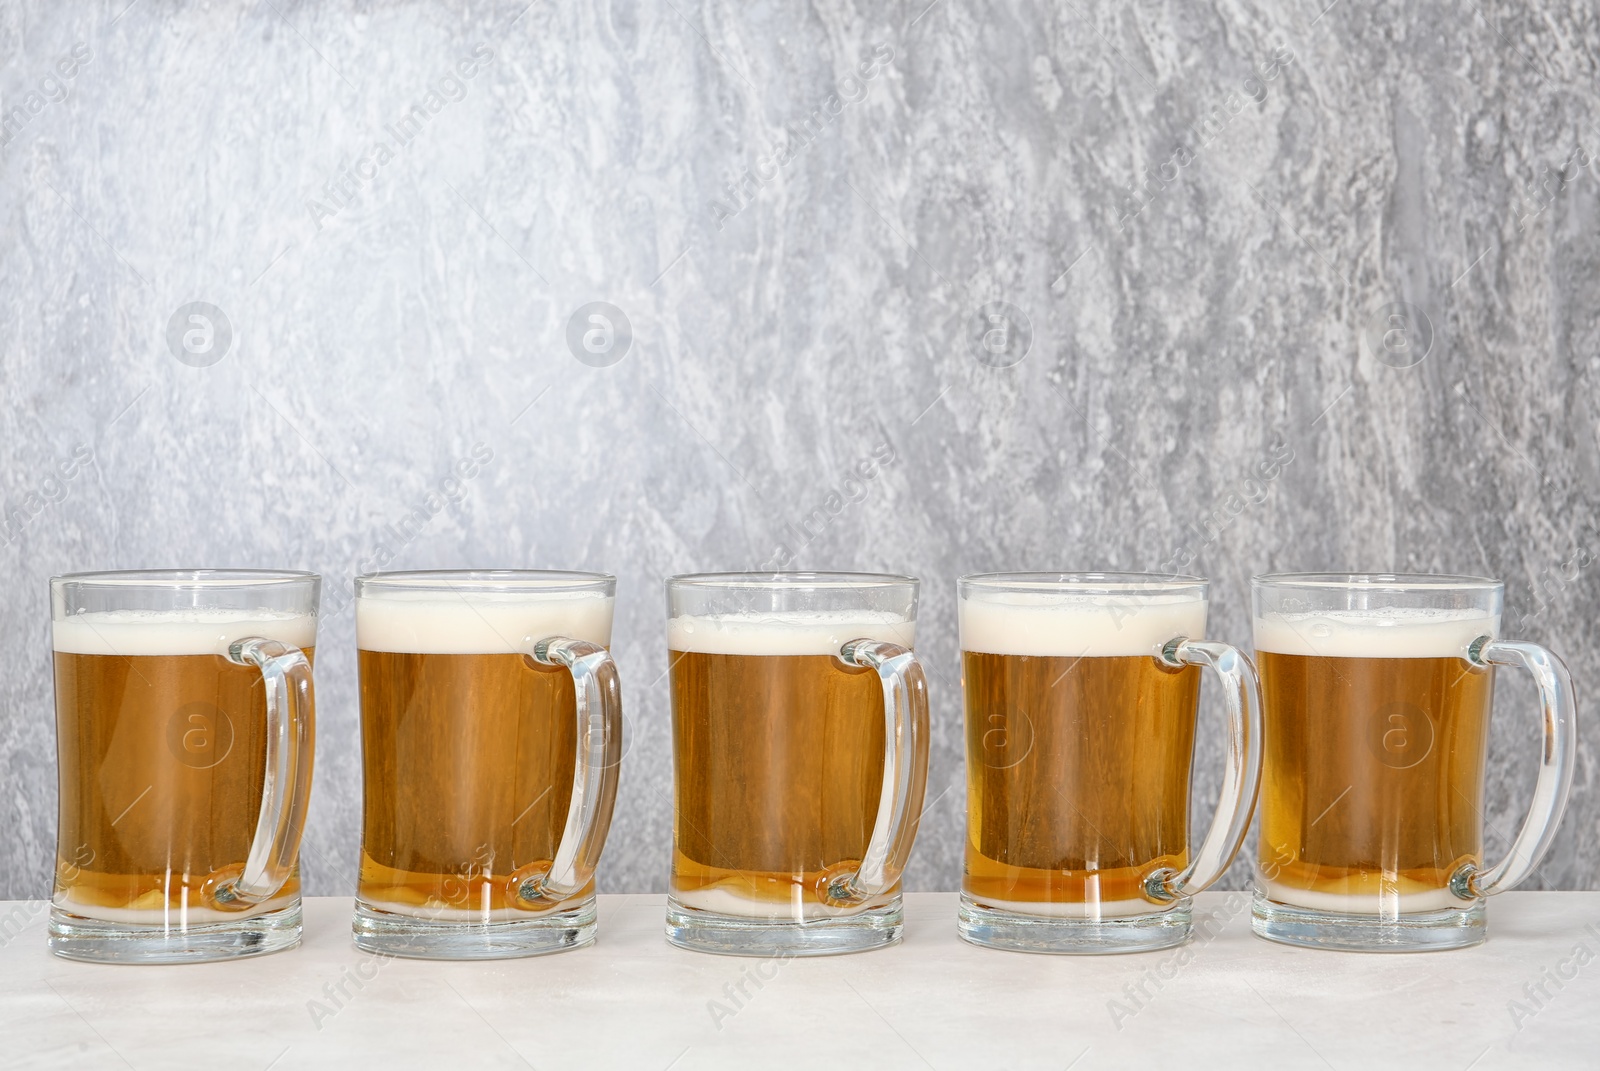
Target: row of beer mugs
491 722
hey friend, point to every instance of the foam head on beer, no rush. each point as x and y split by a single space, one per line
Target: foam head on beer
176 632
1387 632
426 621
1110 624
793 632
1079 740
162 743
1376 730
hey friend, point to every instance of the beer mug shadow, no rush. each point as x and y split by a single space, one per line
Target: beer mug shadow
1401 735
200 735
1007 739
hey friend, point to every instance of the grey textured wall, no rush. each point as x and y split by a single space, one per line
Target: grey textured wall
1080 263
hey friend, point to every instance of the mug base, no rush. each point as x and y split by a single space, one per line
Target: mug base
390 933
735 935
1014 932
99 941
1421 931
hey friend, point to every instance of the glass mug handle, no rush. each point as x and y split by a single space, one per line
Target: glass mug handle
1558 705
1241 779
594 773
286 789
905 773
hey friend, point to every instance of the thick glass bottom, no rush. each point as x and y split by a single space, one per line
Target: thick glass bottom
1421 931
99 941
392 934
744 935
1066 935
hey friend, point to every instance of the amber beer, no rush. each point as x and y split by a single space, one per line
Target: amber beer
1376 735
162 746
779 756
1078 749
467 748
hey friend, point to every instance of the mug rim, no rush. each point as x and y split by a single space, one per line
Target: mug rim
837 580
186 578
1109 580
1378 581
530 581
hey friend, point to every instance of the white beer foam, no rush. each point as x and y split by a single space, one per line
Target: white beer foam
165 917
1075 625
1088 910
1391 632
786 632
445 913
479 622
1387 904
177 632
723 901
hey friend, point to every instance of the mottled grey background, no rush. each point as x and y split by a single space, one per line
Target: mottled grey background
832 300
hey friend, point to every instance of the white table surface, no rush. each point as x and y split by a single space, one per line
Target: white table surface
633 1001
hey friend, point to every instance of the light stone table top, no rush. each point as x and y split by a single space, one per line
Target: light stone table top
633 1001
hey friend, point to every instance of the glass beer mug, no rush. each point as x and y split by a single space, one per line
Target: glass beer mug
800 757
184 728
1377 692
491 740
1082 691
